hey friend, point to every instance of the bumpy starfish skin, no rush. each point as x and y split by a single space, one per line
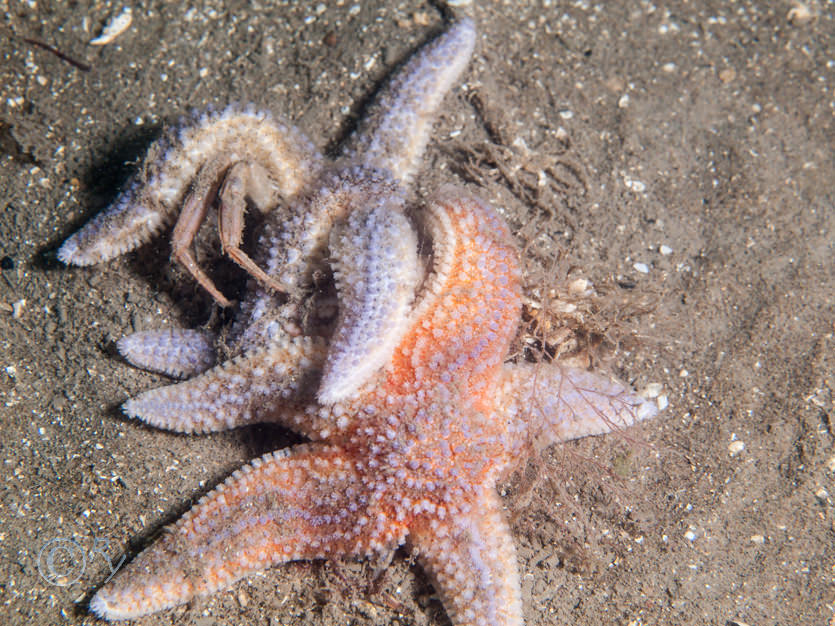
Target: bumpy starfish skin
177 352
414 457
245 154
411 413
199 151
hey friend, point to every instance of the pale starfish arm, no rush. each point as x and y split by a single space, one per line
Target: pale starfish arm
551 403
173 164
396 130
177 352
376 269
471 558
266 385
305 503
469 304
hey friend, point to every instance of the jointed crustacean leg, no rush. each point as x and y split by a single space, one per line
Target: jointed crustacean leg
180 178
185 230
241 180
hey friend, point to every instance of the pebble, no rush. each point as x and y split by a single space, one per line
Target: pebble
580 287
641 267
735 447
422 18
615 83
665 250
727 75
653 390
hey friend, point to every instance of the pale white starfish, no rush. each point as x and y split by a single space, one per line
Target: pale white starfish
243 154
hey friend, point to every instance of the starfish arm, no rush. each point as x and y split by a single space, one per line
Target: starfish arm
305 503
173 163
471 558
469 305
266 385
178 352
396 130
376 269
551 403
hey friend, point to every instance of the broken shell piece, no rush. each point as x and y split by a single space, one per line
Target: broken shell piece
800 13
560 306
581 287
114 28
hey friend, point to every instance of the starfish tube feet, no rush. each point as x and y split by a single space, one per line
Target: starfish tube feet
265 385
177 352
376 269
282 507
126 224
473 563
396 130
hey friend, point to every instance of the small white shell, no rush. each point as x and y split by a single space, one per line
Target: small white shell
114 28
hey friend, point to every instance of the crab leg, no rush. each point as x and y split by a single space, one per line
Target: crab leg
241 182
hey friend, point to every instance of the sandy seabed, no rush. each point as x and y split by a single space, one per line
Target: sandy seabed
682 151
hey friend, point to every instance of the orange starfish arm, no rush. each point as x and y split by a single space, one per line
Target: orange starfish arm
267 385
470 304
305 504
472 560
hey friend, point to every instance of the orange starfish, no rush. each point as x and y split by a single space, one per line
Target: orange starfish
413 456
